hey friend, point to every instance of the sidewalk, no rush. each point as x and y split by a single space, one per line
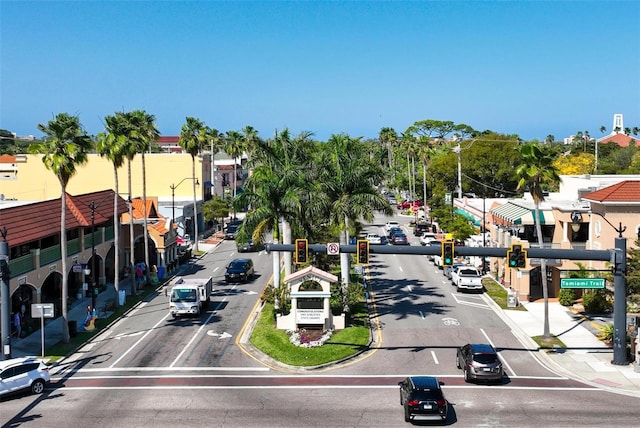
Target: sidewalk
585 357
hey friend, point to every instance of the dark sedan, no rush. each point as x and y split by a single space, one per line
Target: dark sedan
249 246
239 270
422 398
399 239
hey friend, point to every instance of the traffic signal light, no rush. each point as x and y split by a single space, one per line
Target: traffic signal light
522 259
447 253
301 251
516 256
363 251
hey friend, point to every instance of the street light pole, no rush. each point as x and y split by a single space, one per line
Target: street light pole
173 198
458 150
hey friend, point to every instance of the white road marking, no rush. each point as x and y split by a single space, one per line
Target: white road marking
435 358
506 364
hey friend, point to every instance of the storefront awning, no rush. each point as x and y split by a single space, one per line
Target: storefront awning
515 214
476 220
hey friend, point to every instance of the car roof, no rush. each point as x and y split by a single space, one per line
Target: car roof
482 348
243 260
20 360
425 382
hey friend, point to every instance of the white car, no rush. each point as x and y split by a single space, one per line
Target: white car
374 239
391 224
23 373
427 238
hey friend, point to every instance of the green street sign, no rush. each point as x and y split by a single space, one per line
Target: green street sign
582 283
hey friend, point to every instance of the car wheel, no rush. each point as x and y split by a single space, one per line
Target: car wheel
37 387
407 417
458 362
467 376
457 289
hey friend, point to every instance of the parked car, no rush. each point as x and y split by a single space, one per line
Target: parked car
390 224
249 246
18 374
399 239
374 239
479 362
239 270
422 398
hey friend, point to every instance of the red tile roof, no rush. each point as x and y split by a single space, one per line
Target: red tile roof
5 158
30 222
620 139
625 191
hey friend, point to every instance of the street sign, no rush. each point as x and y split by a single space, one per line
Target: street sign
42 310
358 269
333 248
582 283
533 261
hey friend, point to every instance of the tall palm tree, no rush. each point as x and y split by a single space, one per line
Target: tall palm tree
112 144
193 138
65 147
145 134
534 173
389 138
235 146
215 140
348 189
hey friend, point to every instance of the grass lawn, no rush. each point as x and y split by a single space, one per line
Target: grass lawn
345 343
499 294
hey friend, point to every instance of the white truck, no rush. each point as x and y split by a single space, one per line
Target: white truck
467 278
189 296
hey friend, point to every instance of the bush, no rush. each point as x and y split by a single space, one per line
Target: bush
596 302
566 297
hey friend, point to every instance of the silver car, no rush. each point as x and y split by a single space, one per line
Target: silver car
17 374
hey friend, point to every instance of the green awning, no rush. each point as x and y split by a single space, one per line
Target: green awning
515 214
476 220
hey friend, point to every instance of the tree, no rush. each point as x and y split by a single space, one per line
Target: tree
65 147
145 133
112 144
235 145
535 173
193 137
215 209
347 190
215 139
575 164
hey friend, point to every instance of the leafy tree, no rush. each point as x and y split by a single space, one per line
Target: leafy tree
235 146
535 174
65 147
215 209
112 144
575 164
633 269
215 140
193 138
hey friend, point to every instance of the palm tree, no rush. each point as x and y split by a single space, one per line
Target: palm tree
65 147
388 137
234 146
193 137
112 144
534 173
146 133
216 143
347 188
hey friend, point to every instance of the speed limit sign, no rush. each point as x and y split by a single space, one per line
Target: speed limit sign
333 248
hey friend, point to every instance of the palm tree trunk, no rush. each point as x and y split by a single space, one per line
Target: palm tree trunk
146 232
543 273
65 273
116 238
132 260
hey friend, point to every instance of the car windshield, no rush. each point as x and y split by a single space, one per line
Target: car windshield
236 265
184 295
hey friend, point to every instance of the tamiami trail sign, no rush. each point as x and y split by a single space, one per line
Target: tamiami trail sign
582 283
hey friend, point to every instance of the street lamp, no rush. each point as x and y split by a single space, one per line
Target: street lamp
93 206
173 196
458 149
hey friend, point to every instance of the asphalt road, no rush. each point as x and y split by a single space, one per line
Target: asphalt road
150 370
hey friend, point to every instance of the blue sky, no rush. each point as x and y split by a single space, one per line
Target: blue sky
531 68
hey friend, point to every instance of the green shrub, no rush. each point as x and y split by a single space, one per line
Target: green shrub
606 332
566 297
596 302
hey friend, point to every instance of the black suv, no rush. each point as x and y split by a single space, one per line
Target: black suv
479 362
420 228
239 270
423 398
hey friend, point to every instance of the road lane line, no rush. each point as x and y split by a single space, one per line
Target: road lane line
511 371
435 358
162 320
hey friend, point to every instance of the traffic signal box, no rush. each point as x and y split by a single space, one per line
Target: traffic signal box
447 253
516 256
302 251
362 251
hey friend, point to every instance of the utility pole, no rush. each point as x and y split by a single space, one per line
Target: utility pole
5 321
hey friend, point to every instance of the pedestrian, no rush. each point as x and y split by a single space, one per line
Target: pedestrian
139 273
17 322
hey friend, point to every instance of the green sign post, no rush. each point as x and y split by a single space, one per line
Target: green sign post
582 283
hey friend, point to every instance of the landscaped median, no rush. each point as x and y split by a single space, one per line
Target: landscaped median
342 344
